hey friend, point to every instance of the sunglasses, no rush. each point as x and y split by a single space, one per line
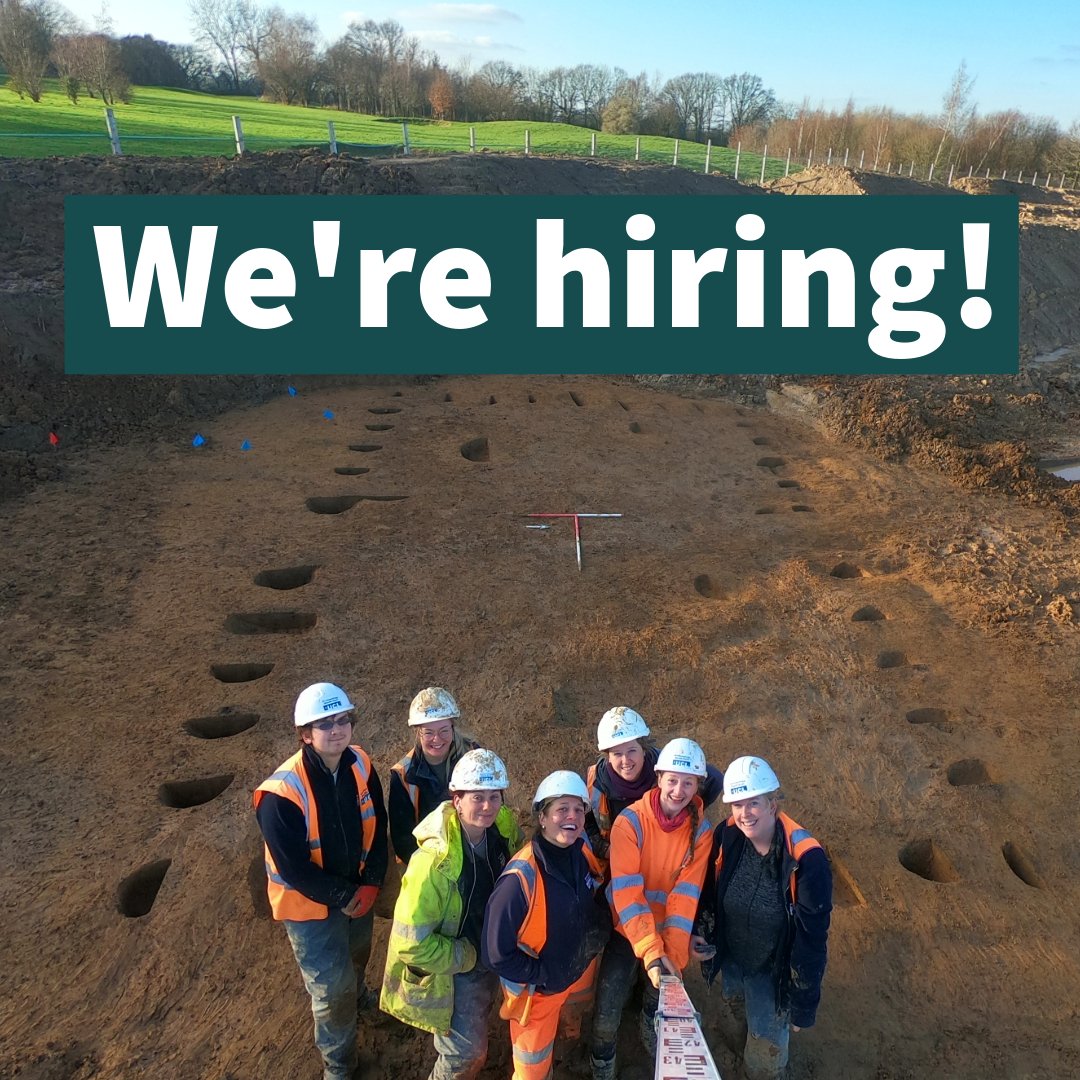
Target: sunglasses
337 721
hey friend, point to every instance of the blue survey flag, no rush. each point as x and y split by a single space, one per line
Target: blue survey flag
198 440
245 445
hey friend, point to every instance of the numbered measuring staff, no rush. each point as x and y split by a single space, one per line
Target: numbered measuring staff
681 1050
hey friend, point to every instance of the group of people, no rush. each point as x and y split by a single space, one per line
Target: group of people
623 882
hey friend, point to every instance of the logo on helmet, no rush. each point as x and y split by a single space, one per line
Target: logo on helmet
681 761
331 703
738 787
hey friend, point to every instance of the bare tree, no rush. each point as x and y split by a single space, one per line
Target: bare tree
221 26
748 101
957 108
26 33
286 56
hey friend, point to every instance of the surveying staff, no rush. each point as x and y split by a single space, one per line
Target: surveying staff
659 851
544 927
419 782
322 817
434 979
769 896
625 771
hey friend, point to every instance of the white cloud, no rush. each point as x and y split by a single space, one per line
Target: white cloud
447 39
477 13
348 17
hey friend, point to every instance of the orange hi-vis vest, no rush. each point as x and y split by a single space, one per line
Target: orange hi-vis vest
401 768
532 934
600 807
290 781
797 841
656 882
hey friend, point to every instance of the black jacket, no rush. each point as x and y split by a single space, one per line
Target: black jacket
283 827
801 953
403 815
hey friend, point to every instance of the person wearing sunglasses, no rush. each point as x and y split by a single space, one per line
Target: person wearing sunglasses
323 821
420 781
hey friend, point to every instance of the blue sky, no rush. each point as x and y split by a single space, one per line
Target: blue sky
898 55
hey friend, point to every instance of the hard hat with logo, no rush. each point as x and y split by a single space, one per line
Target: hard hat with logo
319 701
479 770
620 725
563 782
682 755
431 704
747 777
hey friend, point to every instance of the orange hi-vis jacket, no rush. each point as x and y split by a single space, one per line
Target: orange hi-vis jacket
656 882
289 781
532 934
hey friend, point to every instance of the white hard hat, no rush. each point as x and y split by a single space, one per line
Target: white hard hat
747 777
432 703
479 770
563 782
318 701
682 755
620 725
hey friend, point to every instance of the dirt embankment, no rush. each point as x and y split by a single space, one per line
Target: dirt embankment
986 432
35 396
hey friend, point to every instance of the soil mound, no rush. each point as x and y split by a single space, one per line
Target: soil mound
840 180
1028 193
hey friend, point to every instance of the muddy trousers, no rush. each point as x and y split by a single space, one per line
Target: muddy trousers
463 1049
534 1041
752 1000
620 971
329 952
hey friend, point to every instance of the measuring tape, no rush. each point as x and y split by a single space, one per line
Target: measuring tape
681 1050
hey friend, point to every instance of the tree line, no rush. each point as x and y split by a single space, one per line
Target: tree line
377 68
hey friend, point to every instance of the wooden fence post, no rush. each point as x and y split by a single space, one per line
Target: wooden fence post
637 148
738 154
592 149
472 140
238 134
708 156
787 164
333 136
764 158
114 134
405 139
675 159
527 143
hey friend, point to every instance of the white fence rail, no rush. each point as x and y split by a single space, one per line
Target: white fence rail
715 159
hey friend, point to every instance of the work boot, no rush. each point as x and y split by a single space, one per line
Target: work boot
602 1069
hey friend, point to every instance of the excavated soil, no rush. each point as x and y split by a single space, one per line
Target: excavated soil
868 582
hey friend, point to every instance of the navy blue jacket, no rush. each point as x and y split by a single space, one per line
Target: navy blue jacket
282 825
801 953
575 924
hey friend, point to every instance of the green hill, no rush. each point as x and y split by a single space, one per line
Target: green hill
167 122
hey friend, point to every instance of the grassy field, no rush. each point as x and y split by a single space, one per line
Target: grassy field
167 122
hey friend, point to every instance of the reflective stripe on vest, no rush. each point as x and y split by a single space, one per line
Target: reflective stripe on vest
401 768
600 806
532 934
797 840
290 782
659 900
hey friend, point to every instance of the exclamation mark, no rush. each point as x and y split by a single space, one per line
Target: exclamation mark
327 235
976 311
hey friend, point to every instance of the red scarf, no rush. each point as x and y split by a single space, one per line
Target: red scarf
667 824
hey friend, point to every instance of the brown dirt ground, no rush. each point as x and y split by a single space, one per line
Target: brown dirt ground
722 605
